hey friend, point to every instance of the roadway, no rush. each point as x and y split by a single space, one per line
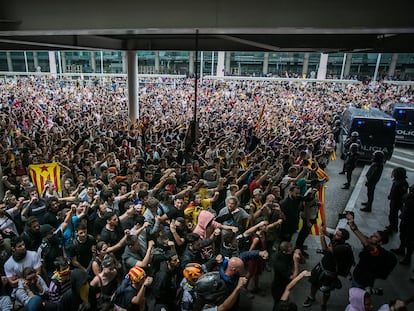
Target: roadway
337 200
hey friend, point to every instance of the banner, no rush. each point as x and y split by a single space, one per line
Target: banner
41 173
321 213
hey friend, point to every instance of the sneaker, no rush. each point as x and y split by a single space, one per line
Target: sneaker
308 302
366 209
364 203
345 187
341 173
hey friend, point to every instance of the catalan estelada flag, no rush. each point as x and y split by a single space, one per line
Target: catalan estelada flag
320 172
41 173
321 213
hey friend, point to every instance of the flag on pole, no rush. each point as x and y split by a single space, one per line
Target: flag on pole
41 173
259 120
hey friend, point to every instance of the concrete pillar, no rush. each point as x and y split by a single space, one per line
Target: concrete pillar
9 61
377 67
265 63
52 64
393 65
124 62
348 63
157 62
35 61
191 63
93 62
64 63
133 105
227 69
220 72
305 65
323 66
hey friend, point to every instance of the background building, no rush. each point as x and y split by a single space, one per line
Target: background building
391 66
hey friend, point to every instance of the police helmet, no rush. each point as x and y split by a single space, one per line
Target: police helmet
354 147
192 272
210 287
378 156
355 134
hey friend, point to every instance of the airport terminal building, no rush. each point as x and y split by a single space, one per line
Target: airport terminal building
391 66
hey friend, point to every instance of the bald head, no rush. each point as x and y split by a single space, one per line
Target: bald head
235 267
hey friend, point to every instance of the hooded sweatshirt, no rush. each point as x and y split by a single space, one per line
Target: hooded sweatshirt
204 219
356 299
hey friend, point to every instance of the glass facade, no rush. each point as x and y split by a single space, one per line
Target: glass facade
281 64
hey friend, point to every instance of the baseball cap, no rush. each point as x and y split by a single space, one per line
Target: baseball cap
257 191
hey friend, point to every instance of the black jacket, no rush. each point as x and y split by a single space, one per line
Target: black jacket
374 173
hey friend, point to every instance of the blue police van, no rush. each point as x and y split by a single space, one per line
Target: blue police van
376 130
404 114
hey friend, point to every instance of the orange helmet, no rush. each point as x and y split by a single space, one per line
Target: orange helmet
192 272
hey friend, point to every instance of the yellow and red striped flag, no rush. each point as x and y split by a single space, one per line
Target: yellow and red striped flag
321 213
40 173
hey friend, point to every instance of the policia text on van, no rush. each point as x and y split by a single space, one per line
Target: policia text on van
376 131
404 114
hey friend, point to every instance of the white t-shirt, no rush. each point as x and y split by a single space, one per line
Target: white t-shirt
12 268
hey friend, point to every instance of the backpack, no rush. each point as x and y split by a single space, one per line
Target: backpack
389 261
344 257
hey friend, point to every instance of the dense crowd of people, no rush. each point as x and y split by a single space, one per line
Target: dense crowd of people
163 214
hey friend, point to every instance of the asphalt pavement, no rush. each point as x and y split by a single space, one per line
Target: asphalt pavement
397 285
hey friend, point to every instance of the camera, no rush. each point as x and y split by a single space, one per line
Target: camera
343 215
375 291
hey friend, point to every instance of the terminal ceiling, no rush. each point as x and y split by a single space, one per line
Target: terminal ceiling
227 25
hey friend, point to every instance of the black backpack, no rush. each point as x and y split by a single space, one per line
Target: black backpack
344 257
388 263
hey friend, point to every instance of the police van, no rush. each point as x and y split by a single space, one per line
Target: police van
404 114
376 130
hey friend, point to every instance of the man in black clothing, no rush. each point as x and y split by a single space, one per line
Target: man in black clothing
285 268
112 233
31 234
51 217
338 258
374 261
166 281
81 248
373 176
290 207
350 162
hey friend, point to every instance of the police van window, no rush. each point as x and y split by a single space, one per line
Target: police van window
404 116
376 130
